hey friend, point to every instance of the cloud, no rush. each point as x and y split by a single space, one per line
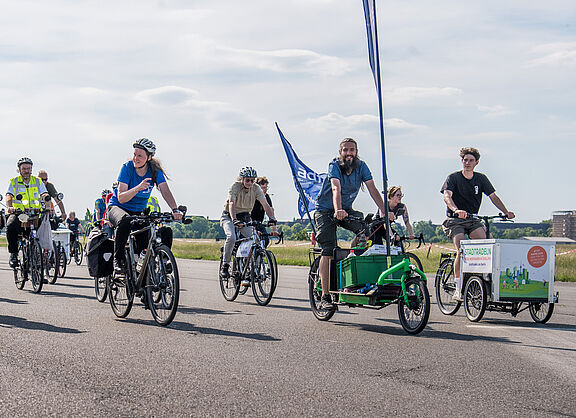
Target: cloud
167 95
561 53
494 111
336 121
405 95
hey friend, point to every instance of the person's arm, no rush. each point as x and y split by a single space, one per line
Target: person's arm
500 205
9 198
169 199
125 194
376 196
339 213
452 206
407 223
270 212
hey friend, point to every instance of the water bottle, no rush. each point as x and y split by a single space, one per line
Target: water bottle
351 254
140 261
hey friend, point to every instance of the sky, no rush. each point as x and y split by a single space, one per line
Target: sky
207 80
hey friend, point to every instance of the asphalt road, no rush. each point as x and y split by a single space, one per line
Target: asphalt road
63 353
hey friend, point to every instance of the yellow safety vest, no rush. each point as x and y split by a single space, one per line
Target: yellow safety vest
153 204
30 193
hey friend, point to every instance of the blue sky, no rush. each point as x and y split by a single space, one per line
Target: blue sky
80 80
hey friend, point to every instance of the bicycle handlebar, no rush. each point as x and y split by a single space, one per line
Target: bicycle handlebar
501 216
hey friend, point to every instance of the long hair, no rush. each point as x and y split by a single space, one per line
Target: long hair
155 167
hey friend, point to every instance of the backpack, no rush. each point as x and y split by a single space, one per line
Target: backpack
100 254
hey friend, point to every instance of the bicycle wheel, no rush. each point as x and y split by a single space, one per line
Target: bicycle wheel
475 298
101 287
414 314
415 260
241 262
163 281
51 261
230 286
263 278
21 272
315 293
79 253
275 264
36 266
445 287
121 295
62 261
541 312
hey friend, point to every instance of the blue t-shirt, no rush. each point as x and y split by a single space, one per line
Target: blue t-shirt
129 176
100 205
349 186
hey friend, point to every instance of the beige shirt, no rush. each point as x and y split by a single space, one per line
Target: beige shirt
244 201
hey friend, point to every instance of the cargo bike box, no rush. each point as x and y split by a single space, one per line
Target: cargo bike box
518 270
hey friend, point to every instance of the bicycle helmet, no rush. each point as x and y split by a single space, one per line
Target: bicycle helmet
114 185
24 160
106 192
146 145
248 172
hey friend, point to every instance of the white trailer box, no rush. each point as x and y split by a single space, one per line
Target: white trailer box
62 235
521 270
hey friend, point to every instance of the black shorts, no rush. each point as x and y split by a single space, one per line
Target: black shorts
327 224
455 226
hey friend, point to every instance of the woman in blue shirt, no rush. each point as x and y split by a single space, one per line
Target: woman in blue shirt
136 180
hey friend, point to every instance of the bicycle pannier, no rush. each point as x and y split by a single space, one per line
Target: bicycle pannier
100 254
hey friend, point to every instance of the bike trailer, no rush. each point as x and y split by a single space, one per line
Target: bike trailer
100 254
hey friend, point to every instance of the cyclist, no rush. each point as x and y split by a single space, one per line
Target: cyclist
462 193
241 197
346 175
100 206
258 213
395 209
153 204
24 192
73 224
43 175
106 225
136 180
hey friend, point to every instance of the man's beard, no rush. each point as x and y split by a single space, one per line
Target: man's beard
348 165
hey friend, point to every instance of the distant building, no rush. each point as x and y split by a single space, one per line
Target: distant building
564 224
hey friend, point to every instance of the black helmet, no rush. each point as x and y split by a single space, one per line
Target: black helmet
248 172
146 145
24 160
106 192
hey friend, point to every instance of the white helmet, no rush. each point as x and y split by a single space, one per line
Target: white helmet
24 160
146 145
248 172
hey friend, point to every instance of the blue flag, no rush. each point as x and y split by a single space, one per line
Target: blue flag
370 15
307 182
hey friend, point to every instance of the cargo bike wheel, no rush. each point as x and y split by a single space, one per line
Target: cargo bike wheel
62 261
445 286
315 292
475 298
541 312
414 310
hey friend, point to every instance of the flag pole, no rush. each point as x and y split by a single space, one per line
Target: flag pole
380 112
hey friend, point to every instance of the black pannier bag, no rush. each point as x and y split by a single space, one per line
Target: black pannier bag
100 254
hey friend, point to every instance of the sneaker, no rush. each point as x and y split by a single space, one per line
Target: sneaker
119 268
245 283
457 297
13 260
224 273
326 303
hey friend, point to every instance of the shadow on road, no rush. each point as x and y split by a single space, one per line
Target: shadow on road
15 302
205 311
78 286
185 326
51 293
17 322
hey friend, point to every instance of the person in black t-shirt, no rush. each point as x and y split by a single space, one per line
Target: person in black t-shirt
462 192
258 210
74 225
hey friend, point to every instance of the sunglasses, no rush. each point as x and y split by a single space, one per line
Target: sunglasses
249 180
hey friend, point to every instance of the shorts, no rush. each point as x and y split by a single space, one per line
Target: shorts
455 226
327 224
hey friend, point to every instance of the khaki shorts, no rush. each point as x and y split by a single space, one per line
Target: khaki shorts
455 226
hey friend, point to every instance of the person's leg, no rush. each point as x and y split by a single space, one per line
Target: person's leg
119 219
13 228
230 231
456 240
326 238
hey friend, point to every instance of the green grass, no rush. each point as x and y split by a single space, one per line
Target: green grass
296 254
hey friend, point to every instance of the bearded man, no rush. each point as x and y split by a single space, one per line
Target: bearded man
346 175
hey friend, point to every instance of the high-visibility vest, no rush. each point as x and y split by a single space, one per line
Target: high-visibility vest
153 204
30 193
